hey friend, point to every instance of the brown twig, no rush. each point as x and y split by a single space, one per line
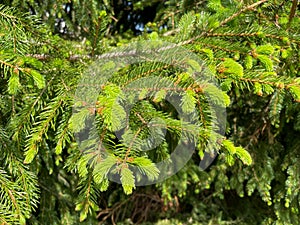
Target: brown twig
293 12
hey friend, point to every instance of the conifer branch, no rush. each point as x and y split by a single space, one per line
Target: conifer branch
28 114
293 12
247 8
176 89
148 72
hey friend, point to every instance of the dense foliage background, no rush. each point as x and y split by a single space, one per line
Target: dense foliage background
250 47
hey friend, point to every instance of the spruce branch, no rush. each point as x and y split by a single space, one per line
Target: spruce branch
247 8
204 33
293 12
26 117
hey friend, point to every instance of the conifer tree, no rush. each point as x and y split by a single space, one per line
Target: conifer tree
89 110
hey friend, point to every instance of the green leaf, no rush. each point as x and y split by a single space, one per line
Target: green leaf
195 66
118 117
114 115
295 91
268 89
226 99
258 89
160 95
102 168
186 25
22 219
226 85
240 152
248 62
79 206
147 167
127 180
244 155
216 95
214 5
143 93
188 101
14 83
231 68
209 53
83 215
229 146
82 165
33 62
266 61
30 154
103 186
265 49
39 80
230 159
77 121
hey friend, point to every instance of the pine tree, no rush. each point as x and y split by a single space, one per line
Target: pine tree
93 106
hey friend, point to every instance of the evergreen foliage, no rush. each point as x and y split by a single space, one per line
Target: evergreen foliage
67 132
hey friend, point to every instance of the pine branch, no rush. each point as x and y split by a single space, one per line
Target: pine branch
247 8
293 12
